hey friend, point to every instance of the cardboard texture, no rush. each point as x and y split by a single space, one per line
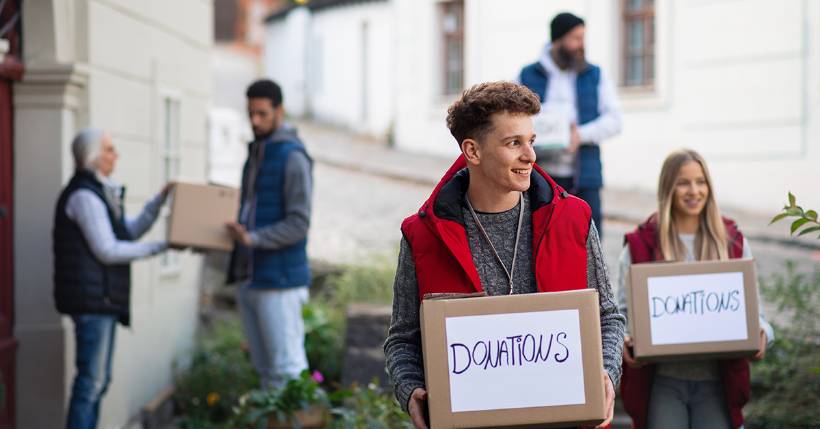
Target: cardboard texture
449 360
199 214
693 310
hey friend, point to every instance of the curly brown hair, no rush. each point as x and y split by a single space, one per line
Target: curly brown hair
469 117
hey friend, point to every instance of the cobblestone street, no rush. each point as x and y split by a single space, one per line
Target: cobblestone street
359 207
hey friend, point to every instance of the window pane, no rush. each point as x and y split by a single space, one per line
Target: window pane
633 5
452 34
634 72
636 36
454 67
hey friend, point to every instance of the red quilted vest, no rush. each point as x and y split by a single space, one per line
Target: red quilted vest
636 383
438 240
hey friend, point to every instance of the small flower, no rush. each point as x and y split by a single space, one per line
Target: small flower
212 399
317 377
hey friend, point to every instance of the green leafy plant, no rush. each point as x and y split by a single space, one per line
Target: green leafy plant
302 393
786 383
218 374
806 219
325 313
368 407
324 339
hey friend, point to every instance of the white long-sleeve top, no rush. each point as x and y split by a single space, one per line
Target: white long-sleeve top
561 94
90 213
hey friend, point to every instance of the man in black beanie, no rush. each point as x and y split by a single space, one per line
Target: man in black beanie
576 95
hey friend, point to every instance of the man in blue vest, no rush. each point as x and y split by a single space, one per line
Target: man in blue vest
566 83
270 257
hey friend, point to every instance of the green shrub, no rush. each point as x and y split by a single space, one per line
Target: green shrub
219 373
786 383
301 393
324 339
325 318
369 407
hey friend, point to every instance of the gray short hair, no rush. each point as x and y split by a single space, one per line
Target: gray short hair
86 148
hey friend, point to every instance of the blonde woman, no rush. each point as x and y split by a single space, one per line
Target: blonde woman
687 227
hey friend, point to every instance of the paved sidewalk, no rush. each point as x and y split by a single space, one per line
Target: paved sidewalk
341 148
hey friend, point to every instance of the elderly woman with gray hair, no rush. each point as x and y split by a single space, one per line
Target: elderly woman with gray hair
94 244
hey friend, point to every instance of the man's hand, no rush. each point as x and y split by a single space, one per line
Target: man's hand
166 190
417 408
628 358
239 233
574 139
763 340
609 391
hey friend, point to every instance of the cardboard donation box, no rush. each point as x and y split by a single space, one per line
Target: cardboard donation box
199 214
513 361
692 310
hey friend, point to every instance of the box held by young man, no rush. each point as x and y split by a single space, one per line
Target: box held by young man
199 214
693 310
531 360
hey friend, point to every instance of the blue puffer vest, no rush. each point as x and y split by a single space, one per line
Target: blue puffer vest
536 78
282 268
83 284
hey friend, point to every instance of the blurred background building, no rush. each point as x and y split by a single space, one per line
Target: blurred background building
735 80
142 72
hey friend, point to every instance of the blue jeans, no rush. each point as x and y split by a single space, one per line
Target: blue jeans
685 404
94 336
276 332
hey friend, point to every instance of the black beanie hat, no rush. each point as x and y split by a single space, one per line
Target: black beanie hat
562 24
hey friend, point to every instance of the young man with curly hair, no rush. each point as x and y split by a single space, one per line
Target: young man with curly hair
496 223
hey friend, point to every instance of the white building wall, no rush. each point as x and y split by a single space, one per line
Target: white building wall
117 60
285 59
351 52
740 86
748 99
737 81
420 109
336 65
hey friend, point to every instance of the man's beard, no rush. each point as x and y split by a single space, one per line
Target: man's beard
261 135
565 59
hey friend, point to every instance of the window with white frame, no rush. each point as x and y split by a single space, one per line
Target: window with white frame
451 24
170 154
638 47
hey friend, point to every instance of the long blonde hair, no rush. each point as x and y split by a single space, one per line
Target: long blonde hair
711 238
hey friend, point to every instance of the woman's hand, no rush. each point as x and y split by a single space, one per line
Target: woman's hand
417 408
763 340
628 358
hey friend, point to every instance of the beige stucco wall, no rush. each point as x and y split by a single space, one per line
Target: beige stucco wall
107 64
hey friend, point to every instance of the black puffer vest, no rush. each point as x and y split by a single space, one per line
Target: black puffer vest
83 284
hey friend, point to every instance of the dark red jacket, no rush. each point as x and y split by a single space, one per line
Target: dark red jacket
441 252
636 383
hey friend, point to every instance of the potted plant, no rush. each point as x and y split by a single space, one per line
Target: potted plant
301 404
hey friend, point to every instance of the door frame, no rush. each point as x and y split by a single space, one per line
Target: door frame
11 71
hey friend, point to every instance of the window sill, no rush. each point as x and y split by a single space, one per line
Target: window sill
641 97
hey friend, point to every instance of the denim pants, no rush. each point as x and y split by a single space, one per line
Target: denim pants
276 332
94 337
685 404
